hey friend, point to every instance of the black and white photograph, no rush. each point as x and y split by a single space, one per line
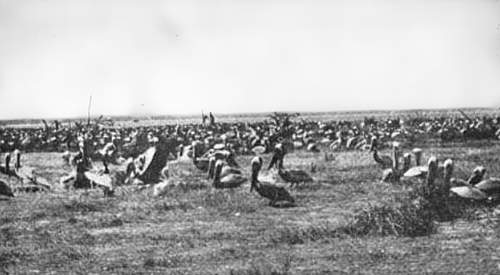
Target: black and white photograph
250 137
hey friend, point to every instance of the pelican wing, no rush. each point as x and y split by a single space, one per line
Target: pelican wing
469 192
228 170
417 171
231 181
489 186
104 180
219 146
258 150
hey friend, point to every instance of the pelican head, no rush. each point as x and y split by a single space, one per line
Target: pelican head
479 170
448 170
396 145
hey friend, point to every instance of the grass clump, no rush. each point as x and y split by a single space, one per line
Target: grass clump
412 215
408 219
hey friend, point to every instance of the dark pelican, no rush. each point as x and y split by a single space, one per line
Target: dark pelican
384 160
274 193
292 176
5 189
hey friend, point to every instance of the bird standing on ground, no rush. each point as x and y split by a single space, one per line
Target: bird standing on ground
384 160
274 193
294 176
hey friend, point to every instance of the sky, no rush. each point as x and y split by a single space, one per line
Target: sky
232 56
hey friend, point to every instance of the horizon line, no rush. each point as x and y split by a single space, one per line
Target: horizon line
158 116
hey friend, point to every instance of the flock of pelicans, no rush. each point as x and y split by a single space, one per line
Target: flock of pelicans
243 137
146 151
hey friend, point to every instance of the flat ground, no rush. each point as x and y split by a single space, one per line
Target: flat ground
196 229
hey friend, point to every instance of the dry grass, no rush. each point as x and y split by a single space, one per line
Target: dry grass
345 222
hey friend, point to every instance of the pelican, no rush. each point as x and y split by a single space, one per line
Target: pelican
421 171
28 173
229 181
201 164
17 158
226 169
385 161
104 180
432 172
448 171
294 176
477 175
394 174
466 189
279 154
274 193
490 187
5 189
417 152
6 168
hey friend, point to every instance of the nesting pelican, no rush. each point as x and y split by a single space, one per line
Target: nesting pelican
468 190
394 174
229 181
226 168
477 175
5 189
491 187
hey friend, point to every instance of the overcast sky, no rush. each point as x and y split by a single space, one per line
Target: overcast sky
181 57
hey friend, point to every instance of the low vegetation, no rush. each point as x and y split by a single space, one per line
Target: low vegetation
345 222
